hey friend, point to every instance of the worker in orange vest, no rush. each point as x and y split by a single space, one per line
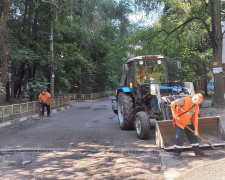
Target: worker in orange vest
45 100
141 76
190 107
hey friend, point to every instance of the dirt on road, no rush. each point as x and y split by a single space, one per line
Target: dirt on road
76 165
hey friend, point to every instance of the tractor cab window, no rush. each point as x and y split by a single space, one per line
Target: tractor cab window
174 73
129 75
155 71
140 74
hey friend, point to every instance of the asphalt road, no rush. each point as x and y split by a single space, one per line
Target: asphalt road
84 142
87 125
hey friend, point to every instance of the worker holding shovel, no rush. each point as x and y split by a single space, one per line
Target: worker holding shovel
186 110
45 100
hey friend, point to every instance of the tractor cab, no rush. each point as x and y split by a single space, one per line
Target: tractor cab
154 69
150 71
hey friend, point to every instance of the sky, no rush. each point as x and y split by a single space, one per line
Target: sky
146 20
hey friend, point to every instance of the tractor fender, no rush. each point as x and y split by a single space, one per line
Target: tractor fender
124 89
138 109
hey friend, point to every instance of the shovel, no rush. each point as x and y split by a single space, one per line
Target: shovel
215 148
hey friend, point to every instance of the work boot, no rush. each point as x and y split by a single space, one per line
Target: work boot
201 155
176 156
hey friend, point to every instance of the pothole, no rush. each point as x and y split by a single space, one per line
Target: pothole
98 109
86 107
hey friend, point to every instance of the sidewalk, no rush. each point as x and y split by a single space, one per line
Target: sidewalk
192 167
211 170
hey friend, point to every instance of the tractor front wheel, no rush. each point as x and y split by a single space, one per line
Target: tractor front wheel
125 111
142 125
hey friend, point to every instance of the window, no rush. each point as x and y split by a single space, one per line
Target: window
129 74
156 71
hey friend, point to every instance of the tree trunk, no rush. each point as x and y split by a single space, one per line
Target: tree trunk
4 78
7 92
217 52
20 75
31 69
24 17
12 82
51 51
79 85
31 77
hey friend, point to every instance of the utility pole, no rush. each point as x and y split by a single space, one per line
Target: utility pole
51 50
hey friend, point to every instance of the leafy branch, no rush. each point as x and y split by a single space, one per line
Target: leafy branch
182 26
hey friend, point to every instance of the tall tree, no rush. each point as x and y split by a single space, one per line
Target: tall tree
216 38
4 78
215 35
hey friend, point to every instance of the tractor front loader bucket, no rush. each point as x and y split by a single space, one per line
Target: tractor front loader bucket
210 128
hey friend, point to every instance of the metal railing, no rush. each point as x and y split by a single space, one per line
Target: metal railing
30 107
56 103
91 96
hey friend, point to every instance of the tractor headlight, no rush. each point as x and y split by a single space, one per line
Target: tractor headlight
141 62
159 62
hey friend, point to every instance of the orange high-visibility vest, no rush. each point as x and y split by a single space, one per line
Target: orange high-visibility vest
45 98
186 116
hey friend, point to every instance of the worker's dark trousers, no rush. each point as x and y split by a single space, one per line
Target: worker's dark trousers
180 140
43 109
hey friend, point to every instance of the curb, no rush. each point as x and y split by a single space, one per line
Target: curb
32 117
164 157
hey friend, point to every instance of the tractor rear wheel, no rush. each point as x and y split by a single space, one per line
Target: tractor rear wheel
125 111
142 125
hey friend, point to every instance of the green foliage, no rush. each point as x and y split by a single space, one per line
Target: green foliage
37 85
189 44
89 43
91 39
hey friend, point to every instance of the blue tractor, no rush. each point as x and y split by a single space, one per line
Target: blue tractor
148 86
